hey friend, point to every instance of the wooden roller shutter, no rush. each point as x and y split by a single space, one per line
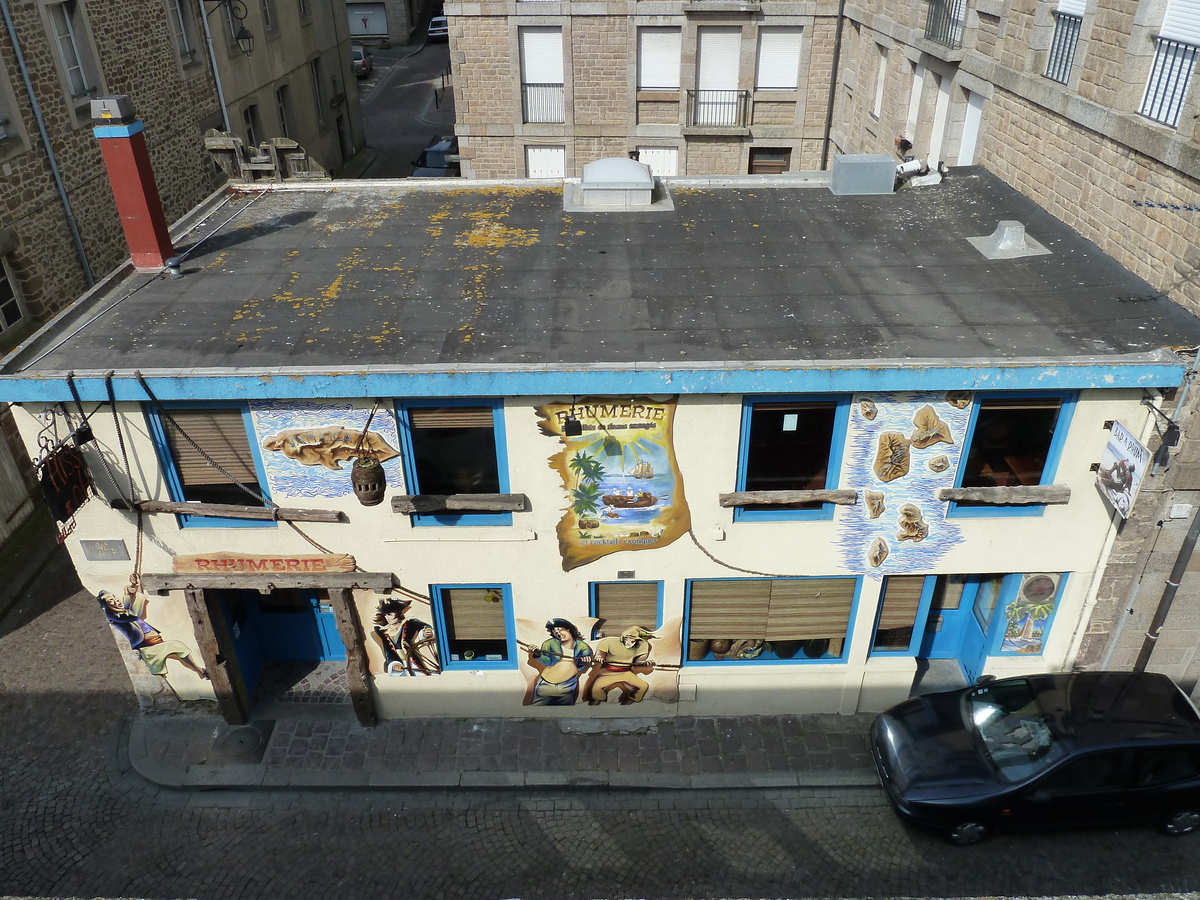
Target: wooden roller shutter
451 417
471 616
901 599
221 433
730 610
808 608
620 606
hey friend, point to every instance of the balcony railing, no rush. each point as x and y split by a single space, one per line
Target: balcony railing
1062 50
944 23
1170 76
543 103
718 109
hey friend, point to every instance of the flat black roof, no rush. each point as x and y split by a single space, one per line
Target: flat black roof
393 275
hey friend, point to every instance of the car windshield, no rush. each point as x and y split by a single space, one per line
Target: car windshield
1014 730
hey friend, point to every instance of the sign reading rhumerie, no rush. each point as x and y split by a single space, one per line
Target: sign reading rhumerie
237 563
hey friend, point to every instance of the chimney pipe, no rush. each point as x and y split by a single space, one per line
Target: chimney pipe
123 146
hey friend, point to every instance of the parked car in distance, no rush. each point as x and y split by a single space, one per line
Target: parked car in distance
439 29
361 61
439 159
1043 751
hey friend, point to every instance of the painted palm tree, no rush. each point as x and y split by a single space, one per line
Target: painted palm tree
1027 614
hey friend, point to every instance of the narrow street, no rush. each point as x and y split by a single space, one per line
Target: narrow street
77 822
405 101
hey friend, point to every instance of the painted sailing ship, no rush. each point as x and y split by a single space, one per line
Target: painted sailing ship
642 470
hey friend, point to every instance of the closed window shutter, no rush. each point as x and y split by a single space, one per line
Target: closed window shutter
901 600
662 161
470 616
658 58
221 433
719 49
1073 7
451 417
730 610
541 55
620 606
778 58
545 162
1182 21
809 608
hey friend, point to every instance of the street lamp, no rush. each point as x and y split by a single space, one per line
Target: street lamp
236 11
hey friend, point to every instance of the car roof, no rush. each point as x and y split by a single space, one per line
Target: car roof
1094 709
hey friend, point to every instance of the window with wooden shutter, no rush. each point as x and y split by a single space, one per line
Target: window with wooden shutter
786 615
454 450
623 605
217 464
476 624
900 602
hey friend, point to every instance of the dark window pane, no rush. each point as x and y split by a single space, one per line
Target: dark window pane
454 450
789 448
1010 443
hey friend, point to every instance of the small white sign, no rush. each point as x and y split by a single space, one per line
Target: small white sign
1120 474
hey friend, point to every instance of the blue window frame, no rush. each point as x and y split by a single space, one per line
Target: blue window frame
1013 440
475 625
790 444
769 620
192 440
622 604
455 447
904 602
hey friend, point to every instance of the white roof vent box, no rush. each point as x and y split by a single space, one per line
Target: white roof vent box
1008 241
615 184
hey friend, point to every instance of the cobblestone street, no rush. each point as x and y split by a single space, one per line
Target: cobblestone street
77 822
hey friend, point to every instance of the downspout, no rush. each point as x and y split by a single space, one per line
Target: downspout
212 59
833 80
37 114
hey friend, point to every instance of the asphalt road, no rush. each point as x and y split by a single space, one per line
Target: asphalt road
399 108
73 824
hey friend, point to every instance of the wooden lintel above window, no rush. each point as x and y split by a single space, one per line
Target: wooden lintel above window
775 498
1016 495
264 583
230 511
432 504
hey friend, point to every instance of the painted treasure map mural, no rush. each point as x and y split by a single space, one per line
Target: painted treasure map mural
623 484
309 445
902 448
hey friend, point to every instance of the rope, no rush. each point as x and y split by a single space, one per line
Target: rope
692 535
103 461
135 578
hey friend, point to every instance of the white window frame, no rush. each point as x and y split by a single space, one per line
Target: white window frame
73 51
777 66
660 52
283 109
10 277
880 81
182 34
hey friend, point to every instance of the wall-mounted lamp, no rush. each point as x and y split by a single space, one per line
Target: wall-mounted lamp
572 427
237 13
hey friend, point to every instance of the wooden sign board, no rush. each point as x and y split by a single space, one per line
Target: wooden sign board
238 563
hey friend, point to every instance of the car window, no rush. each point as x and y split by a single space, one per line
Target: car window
1087 775
1013 729
1165 765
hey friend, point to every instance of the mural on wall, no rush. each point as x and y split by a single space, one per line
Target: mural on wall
1028 613
306 443
126 614
623 484
901 449
409 645
567 668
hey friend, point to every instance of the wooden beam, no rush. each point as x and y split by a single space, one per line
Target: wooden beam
358 673
1017 495
332 581
223 673
774 498
456 503
230 511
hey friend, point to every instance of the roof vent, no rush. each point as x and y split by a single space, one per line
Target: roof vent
612 184
1008 241
863 173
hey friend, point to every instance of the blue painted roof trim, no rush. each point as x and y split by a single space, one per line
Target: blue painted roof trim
1152 370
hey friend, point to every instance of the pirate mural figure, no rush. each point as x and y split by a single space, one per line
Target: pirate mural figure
126 615
559 662
409 645
621 663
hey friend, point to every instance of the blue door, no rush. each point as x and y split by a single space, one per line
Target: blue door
297 625
960 619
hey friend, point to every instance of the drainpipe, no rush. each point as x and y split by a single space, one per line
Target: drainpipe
212 59
37 114
833 77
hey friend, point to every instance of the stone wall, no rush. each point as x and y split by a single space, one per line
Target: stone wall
599 71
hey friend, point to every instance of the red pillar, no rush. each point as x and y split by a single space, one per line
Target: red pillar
124 150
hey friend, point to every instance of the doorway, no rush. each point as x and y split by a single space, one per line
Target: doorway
959 623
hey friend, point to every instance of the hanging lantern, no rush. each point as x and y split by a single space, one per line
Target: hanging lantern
369 480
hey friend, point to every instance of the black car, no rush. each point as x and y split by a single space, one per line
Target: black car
1043 751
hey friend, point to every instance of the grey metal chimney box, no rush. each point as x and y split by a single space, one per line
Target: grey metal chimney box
863 173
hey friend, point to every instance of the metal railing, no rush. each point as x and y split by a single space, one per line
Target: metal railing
543 103
720 109
944 22
1170 76
1062 49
